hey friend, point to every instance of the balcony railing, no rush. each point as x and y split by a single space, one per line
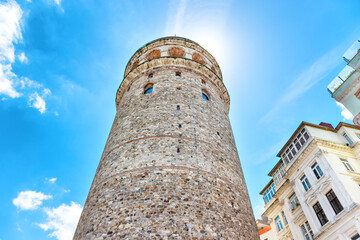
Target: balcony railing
352 51
340 79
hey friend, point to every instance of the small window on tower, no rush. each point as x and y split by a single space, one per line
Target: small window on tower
148 88
178 74
205 95
150 75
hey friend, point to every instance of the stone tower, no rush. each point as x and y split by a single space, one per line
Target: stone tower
170 168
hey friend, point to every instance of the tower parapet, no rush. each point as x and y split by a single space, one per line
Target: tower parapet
170 168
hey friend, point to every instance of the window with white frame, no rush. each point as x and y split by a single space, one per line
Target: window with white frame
278 223
294 201
279 173
348 139
284 217
305 182
317 170
295 146
269 193
306 230
347 164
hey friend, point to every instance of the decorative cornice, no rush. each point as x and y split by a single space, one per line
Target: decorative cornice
171 62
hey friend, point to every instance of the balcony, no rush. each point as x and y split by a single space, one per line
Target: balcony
348 74
344 75
352 51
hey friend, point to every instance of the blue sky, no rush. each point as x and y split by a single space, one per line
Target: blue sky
62 61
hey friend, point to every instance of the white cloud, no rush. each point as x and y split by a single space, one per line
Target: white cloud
10 34
58 2
62 220
37 102
22 58
345 112
6 81
30 200
52 180
27 83
10 30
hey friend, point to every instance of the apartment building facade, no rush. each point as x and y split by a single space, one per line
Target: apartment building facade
314 192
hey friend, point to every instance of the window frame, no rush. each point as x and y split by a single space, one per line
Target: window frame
307 231
317 170
319 212
278 223
294 201
347 164
148 88
334 201
348 139
284 217
305 182
269 193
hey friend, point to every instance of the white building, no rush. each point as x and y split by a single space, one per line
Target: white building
314 192
345 88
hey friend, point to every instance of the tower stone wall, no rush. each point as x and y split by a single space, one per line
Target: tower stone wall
170 168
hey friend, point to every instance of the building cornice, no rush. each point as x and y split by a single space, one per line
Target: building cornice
171 62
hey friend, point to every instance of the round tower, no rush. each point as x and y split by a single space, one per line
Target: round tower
170 168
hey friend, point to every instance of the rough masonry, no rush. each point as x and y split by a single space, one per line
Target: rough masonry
170 168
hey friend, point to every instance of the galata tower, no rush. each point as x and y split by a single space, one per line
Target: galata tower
170 168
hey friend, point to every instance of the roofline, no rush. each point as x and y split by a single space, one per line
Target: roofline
302 124
346 125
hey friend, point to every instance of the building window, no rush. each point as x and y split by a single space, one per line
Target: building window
355 237
358 135
305 182
148 88
334 202
178 74
269 193
284 217
320 214
348 139
150 75
347 164
306 230
205 96
294 201
278 224
279 173
317 170
295 146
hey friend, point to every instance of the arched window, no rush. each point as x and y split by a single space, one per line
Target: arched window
148 88
205 95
